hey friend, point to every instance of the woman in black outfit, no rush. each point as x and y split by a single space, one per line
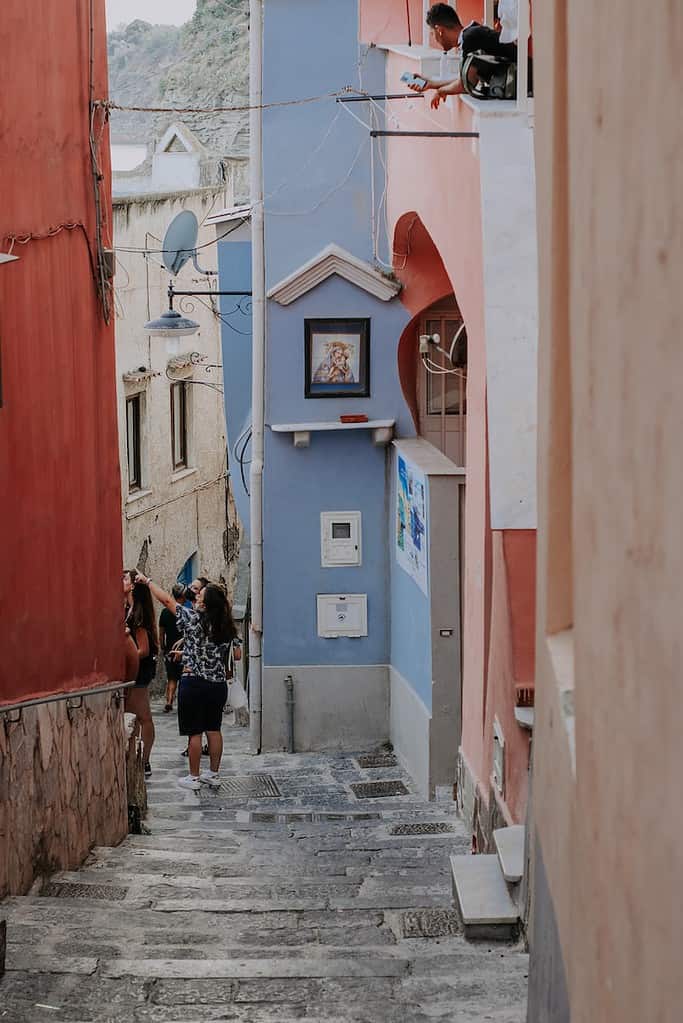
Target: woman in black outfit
141 627
208 632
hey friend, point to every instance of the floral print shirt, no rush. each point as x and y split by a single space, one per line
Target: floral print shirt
200 655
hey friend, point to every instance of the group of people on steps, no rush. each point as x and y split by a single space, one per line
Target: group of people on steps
200 644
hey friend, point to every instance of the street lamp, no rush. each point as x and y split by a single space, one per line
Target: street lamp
172 324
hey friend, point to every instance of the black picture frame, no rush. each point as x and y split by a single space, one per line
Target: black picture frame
337 348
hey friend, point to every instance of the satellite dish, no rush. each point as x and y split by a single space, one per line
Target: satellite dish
180 241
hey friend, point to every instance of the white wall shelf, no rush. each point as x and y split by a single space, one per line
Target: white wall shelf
382 430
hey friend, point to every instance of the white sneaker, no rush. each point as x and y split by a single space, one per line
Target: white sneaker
189 782
211 778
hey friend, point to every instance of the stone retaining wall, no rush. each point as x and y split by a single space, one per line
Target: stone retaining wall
62 788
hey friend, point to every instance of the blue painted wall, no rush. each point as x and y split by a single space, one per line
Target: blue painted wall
234 268
317 187
335 297
317 167
410 645
338 472
316 156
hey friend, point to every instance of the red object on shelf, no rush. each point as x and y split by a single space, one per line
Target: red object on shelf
361 418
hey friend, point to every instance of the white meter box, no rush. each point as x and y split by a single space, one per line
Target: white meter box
342 614
340 540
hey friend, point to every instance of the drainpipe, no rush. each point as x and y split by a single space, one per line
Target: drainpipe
258 288
289 686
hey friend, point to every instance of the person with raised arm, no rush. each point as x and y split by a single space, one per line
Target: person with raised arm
209 633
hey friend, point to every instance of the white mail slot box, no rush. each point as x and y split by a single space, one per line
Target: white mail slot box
342 614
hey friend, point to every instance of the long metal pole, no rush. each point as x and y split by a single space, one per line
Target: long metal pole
375 133
258 287
523 24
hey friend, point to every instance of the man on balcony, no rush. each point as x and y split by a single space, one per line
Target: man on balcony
448 32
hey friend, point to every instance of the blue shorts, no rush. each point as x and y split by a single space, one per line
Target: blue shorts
200 705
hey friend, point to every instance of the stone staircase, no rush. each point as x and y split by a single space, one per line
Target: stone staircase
486 888
309 904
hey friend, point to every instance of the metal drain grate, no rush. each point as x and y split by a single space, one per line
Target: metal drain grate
250 786
430 923
426 828
73 890
378 789
254 816
377 760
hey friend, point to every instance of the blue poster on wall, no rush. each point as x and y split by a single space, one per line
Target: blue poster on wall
411 522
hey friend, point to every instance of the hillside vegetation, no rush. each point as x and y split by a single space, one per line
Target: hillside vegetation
204 63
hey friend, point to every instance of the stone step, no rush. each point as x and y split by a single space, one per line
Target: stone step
237 969
483 899
316 906
143 881
510 850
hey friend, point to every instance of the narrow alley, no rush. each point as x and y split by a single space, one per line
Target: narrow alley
284 895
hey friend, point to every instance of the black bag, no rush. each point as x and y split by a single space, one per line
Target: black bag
497 76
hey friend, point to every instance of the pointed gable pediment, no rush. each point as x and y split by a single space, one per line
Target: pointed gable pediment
178 138
334 260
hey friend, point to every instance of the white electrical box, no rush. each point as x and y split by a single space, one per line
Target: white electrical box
342 614
340 540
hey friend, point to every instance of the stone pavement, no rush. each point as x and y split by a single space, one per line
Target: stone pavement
304 903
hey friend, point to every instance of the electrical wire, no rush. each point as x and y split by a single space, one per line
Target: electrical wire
109 105
328 195
102 279
179 497
197 248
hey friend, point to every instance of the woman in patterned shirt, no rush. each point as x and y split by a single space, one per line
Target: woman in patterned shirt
208 632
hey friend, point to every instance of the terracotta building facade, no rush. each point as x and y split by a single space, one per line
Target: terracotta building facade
62 770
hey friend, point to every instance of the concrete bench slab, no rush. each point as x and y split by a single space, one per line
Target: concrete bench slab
483 898
510 849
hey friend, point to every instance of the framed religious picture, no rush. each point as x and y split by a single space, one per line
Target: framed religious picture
337 358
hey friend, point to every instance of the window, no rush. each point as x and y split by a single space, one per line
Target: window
446 393
133 441
179 425
442 387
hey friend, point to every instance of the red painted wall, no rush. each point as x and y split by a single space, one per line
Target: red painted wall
519 546
60 542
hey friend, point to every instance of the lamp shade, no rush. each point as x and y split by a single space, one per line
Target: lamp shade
171 324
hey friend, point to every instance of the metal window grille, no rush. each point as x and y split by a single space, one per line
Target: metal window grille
179 425
133 441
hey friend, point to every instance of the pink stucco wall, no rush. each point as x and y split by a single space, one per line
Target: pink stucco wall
439 181
388 21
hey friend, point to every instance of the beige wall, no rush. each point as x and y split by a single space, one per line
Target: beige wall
609 143
175 513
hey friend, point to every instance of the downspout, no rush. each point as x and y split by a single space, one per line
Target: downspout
257 367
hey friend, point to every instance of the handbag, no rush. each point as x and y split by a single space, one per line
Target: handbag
237 697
